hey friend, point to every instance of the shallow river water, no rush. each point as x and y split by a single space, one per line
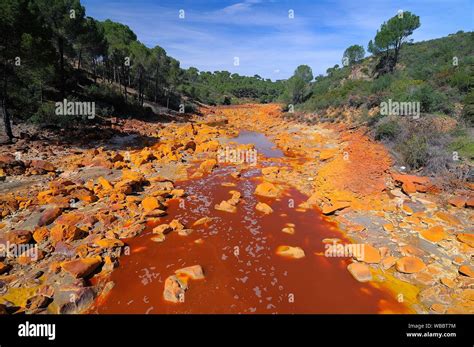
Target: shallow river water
243 273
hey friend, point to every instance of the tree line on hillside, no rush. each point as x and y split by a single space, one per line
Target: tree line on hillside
50 50
385 47
436 75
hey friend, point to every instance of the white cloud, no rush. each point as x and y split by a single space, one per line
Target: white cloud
239 7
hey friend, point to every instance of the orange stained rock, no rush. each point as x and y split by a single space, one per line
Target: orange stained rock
428 221
448 282
194 272
263 207
176 225
49 216
207 165
19 237
150 203
67 233
412 219
177 193
468 294
434 234
142 157
438 308
28 257
80 268
201 221
329 209
360 271
418 228
226 207
340 196
290 252
458 260
449 218
109 243
470 202
235 198
162 229
106 185
370 255
411 250
132 176
327 154
467 270
407 209
465 248
458 201
208 146
419 214
389 207
84 195
44 196
271 170
388 262
410 264
288 230
466 238
41 164
40 234
384 251
267 189
412 184
70 218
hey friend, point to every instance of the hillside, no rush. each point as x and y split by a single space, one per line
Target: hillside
426 74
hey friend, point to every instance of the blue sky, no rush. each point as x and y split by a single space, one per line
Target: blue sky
263 37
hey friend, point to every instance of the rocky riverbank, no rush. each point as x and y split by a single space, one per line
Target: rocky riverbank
69 209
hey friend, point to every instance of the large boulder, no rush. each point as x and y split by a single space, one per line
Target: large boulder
19 237
290 252
360 271
83 267
267 189
410 265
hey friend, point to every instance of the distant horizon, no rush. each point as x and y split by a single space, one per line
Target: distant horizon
263 37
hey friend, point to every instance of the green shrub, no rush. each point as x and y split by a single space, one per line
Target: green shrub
46 115
414 151
387 130
372 121
422 72
102 93
190 108
462 80
381 84
468 109
430 99
226 100
464 145
104 110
